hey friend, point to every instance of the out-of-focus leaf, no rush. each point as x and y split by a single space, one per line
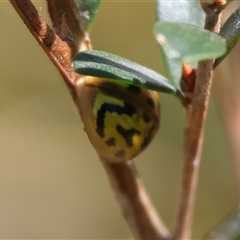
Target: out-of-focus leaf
183 11
187 43
228 229
88 10
231 32
106 65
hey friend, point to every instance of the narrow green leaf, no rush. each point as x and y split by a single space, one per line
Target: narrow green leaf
228 229
106 65
187 43
183 11
88 10
231 32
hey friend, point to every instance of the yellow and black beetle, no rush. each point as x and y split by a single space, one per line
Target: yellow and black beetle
119 119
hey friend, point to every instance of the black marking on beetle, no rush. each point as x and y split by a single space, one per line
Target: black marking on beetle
111 142
150 102
128 134
146 117
147 140
109 88
120 154
127 109
134 89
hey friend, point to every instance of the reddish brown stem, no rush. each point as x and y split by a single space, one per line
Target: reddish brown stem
196 115
134 201
58 51
68 24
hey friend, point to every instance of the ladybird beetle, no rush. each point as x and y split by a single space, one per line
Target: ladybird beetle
119 119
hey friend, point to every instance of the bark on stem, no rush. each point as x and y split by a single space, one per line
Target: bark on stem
134 201
57 50
193 139
68 24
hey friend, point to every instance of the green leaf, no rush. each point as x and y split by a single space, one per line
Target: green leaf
88 10
228 229
183 11
187 43
106 65
231 32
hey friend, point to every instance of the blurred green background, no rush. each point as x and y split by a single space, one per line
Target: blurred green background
51 183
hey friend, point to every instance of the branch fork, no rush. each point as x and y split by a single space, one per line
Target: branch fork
132 197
